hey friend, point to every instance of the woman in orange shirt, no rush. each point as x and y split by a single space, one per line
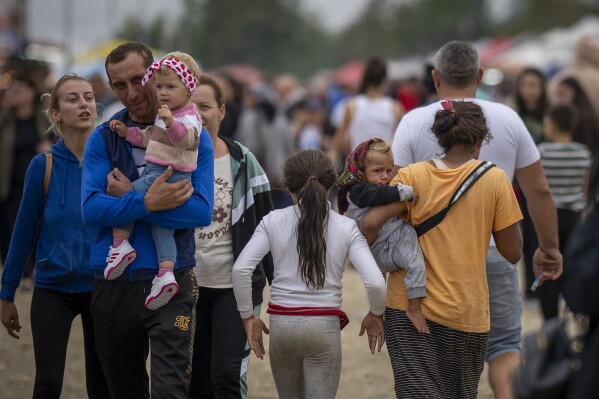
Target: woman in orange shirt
447 363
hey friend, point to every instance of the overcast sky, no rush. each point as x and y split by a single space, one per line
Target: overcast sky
89 22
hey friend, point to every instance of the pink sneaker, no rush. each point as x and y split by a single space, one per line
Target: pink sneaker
164 288
118 260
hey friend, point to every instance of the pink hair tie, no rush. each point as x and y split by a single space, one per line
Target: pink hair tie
183 72
447 104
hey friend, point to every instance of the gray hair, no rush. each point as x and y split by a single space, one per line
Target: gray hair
457 63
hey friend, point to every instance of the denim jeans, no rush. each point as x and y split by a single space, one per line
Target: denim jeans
166 247
505 306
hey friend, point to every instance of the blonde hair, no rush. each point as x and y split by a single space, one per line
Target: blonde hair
381 147
52 99
186 59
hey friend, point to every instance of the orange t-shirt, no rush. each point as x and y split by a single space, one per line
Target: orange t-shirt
455 250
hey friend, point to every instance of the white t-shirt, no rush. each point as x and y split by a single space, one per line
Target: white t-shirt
373 117
310 137
214 246
277 233
510 148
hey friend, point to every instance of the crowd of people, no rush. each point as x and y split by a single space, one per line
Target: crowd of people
170 217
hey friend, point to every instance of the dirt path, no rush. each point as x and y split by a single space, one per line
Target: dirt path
363 375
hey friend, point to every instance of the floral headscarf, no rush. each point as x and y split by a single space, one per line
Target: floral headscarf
353 172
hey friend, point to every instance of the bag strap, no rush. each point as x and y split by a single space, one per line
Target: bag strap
468 182
48 173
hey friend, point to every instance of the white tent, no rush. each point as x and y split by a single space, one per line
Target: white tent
549 51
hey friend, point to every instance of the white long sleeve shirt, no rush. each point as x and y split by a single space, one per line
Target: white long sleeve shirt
277 233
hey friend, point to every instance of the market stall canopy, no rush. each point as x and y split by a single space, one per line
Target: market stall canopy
92 61
549 51
244 73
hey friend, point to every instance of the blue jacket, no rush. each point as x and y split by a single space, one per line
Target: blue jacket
104 151
63 246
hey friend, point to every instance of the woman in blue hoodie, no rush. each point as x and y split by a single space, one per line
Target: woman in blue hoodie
63 279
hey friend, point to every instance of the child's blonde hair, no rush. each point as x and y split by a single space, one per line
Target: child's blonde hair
186 59
381 147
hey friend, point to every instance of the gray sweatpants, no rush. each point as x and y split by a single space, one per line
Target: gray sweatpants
305 355
400 249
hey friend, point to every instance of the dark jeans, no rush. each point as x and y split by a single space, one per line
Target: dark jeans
549 292
529 246
281 198
52 314
125 330
8 217
220 346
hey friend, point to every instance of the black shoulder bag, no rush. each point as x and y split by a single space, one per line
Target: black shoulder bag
434 220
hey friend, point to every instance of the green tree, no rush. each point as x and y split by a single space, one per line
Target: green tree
132 29
371 33
277 36
271 34
393 29
153 34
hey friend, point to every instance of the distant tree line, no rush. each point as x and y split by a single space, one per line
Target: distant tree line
277 36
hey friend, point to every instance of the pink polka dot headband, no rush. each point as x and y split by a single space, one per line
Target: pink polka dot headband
177 66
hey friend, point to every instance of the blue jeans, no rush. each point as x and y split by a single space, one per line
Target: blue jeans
505 306
166 248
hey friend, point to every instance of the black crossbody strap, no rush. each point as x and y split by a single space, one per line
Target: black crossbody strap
434 220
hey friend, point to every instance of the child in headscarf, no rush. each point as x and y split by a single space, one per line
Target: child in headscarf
364 184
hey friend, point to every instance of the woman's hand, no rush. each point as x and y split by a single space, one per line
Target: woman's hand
373 220
10 318
412 201
254 328
415 315
373 325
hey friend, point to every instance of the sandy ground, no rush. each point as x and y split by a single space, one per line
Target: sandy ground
363 375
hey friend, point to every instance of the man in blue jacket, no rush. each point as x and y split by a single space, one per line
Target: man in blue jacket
124 328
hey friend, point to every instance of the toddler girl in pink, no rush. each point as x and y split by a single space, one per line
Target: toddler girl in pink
171 141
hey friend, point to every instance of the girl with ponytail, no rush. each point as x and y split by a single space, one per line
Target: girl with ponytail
310 244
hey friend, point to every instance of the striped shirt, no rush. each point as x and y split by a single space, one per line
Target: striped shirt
565 166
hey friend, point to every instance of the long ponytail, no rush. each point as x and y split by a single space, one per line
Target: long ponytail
310 175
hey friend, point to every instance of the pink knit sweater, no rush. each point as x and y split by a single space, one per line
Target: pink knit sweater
177 145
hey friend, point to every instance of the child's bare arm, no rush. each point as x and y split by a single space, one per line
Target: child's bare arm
509 243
